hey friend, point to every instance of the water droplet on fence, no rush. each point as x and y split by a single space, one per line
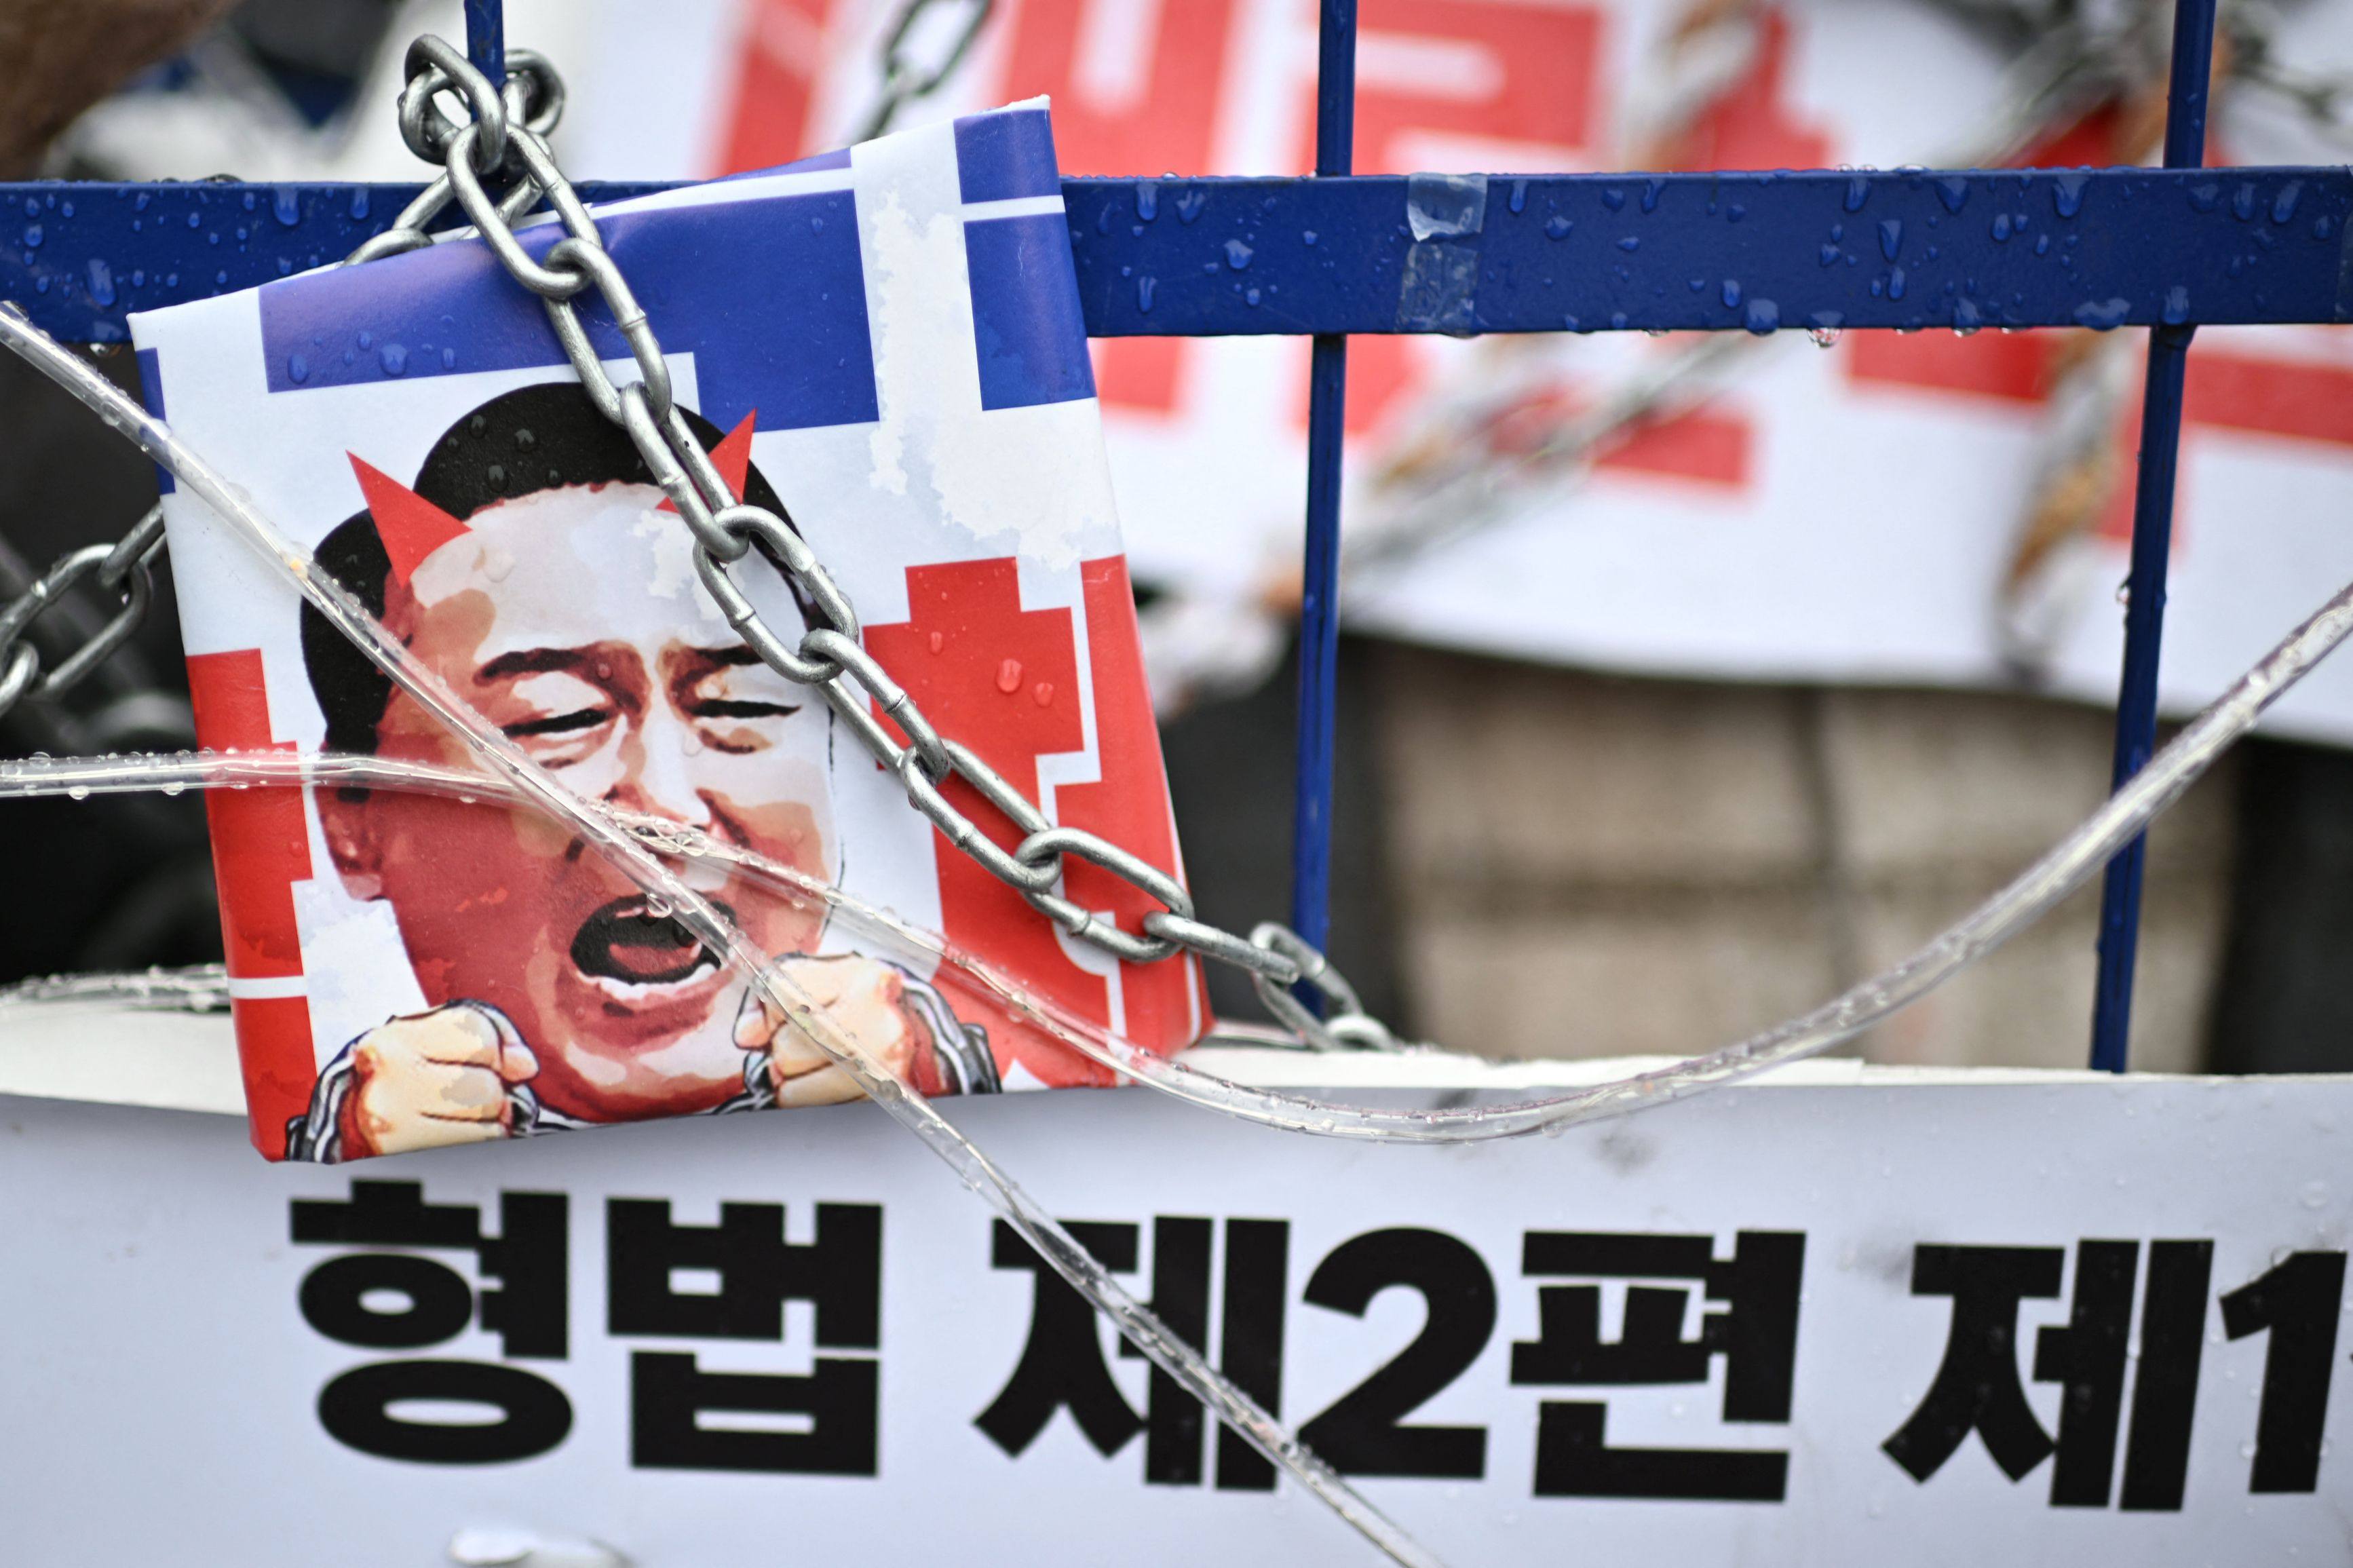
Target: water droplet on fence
1953 190
101 281
360 201
2067 194
1143 288
2177 305
1829 256
32 236
1009 677
1519 195
2103 315
1891 237
2242 202
1558 227
393 358
1825 337
1613 198
2284 204
1238 255
1730 293
297 369
79 792
1651 190
1896 283
286 206
1631 243
1764 317
1858 191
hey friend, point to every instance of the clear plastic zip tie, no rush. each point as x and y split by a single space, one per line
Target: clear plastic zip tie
621 848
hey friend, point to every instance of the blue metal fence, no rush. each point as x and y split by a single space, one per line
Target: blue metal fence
1334 254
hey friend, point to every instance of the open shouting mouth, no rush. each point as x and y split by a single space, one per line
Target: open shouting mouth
623 941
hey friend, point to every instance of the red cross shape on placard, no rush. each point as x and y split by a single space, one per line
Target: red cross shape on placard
1005 681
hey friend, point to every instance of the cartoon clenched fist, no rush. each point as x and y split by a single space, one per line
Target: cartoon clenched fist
433 1077
864 997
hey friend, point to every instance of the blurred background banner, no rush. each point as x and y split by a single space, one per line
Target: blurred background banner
1922 509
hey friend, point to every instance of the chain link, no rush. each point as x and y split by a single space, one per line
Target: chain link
121 568
905 79
829 656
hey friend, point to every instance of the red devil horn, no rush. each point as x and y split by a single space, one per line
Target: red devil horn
731 457
411 527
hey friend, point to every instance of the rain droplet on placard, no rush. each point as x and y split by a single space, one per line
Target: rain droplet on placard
938 641
1009 677
1238 255
1044 693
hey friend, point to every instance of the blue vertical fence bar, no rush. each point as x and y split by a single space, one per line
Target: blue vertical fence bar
1319 607
2160 451
486 38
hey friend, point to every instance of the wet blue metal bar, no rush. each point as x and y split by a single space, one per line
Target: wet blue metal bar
2110 248
486 37
2160 451
1319 609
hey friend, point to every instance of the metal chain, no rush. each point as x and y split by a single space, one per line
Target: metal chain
903 79
121 568
496 138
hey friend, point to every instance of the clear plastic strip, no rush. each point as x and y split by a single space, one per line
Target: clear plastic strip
620 848
2066 866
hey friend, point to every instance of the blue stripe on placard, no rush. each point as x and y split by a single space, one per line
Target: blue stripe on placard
1006 153
1025 312
151 397
790 338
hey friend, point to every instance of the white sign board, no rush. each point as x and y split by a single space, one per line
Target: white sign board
1857 1316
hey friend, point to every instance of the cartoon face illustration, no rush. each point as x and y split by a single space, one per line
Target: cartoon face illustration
538 571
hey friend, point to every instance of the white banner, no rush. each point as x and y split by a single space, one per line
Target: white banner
1855 1316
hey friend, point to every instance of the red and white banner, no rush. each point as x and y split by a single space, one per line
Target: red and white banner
1867 514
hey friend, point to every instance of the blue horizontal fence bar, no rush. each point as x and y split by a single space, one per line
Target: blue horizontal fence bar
1593 252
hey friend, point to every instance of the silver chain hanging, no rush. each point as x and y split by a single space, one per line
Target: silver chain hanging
121 568
502 135
906 79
